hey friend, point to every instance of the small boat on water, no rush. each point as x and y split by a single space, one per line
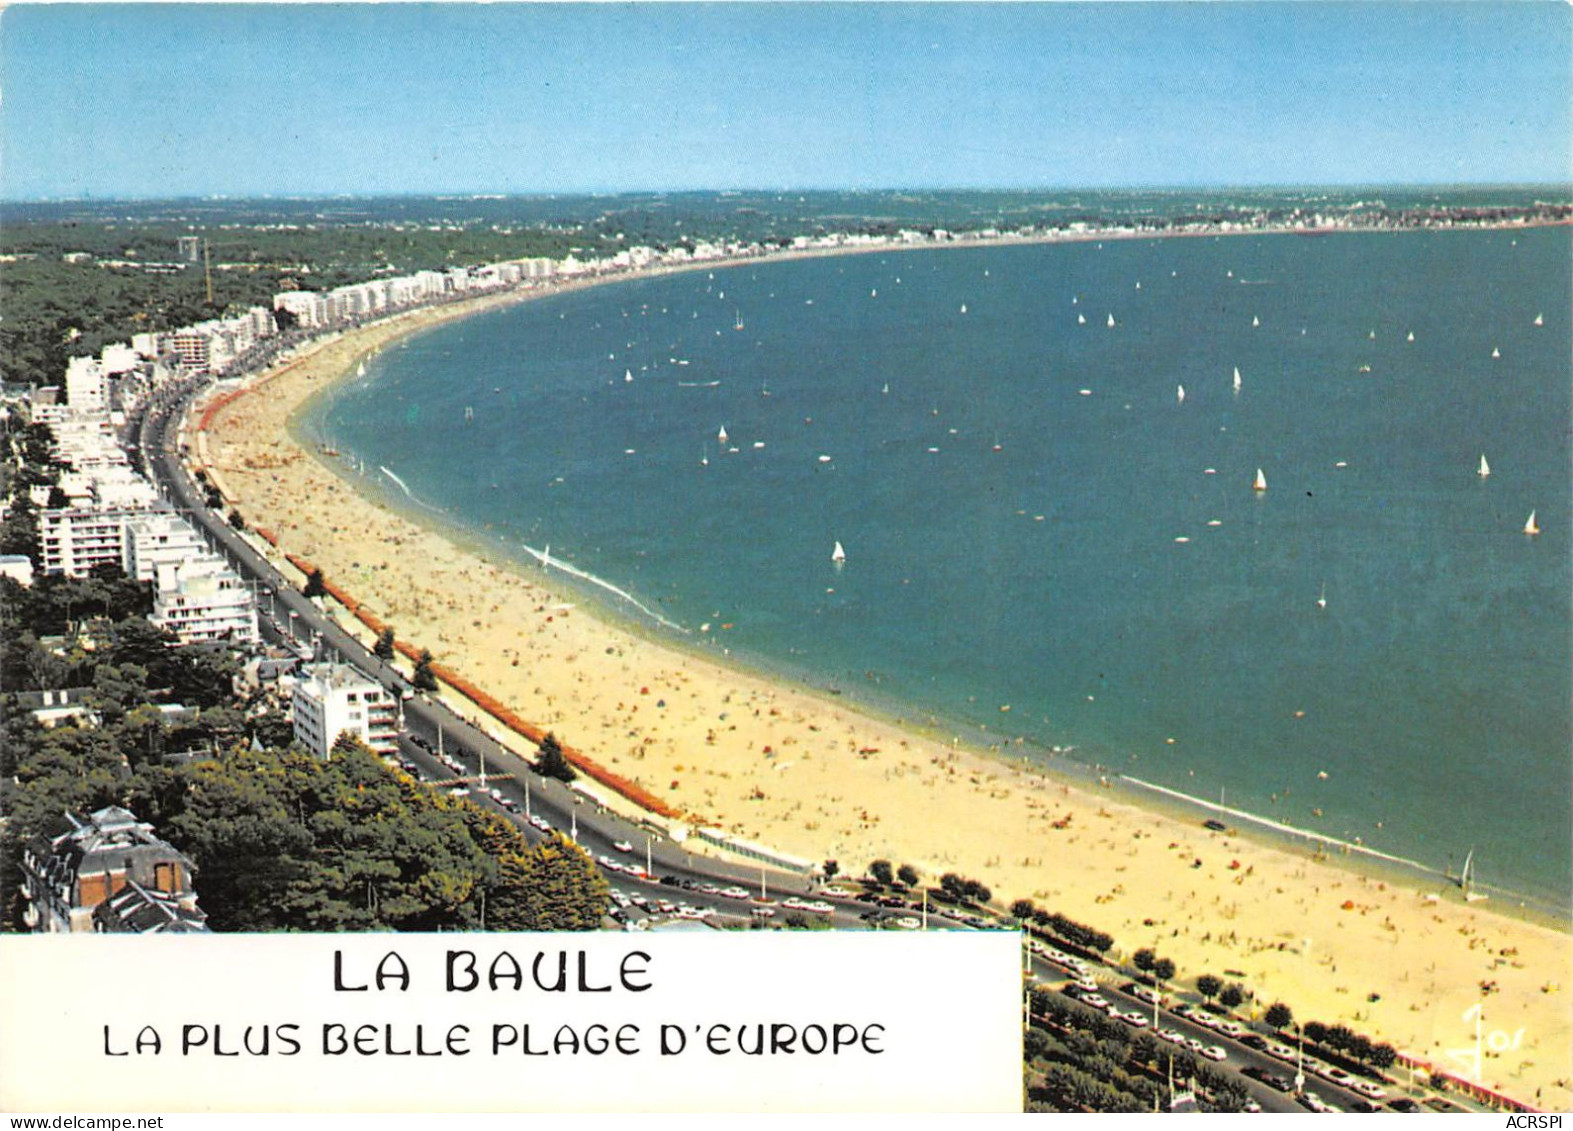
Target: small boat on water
1237 378
1485 468
737 323
1540 320
1111 321
1255 321
721 436
1466 880
1531 526
1179 394
1261 481
628 376
1321 601
1081 319
838 555
964 308
1496 353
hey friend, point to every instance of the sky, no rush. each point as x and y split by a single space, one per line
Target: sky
145 100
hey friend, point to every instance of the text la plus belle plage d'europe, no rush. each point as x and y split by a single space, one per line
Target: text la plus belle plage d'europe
464 972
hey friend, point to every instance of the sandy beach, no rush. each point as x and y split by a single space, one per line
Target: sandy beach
806 774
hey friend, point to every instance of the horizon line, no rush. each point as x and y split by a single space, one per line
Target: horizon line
545 194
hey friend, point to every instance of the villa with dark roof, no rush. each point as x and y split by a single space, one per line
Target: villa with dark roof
108 872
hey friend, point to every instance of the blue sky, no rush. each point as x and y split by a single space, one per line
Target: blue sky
154 100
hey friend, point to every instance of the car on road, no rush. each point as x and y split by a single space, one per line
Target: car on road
1135 1018
622 846
1370 1090
735 892
1214 1052
1173 1036
909 922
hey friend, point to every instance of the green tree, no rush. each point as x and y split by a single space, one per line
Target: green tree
236 520
831 869
1232 995
422 678
908 875
1143 960
1208 986
551 762
1163 969
383 649
1022 910
882 873
315 586
1279 1015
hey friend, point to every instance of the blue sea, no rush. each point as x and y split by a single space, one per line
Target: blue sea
1047 545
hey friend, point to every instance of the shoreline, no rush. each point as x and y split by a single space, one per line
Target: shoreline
902 794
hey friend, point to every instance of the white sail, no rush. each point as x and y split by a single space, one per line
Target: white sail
1179 394
1540 320
964 308
1111 321
721 436
838 555
1321 600
1081 319
1531 526
1261 481
1485 468
1237 378
1255 321
628 375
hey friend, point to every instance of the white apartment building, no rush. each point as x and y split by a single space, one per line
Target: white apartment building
87 389
201 599
75 539
309 308
332 699
159 539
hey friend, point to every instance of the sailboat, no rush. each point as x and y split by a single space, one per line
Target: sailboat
838 555
1081 319
628 376
1485 468
1261 481
964 308
1496 353
1466 879
721 436
1111 321
1540 320
1531 526
1179 394
1237 378
361 372
886 388
704 458
1255 321
1321 601
737 323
